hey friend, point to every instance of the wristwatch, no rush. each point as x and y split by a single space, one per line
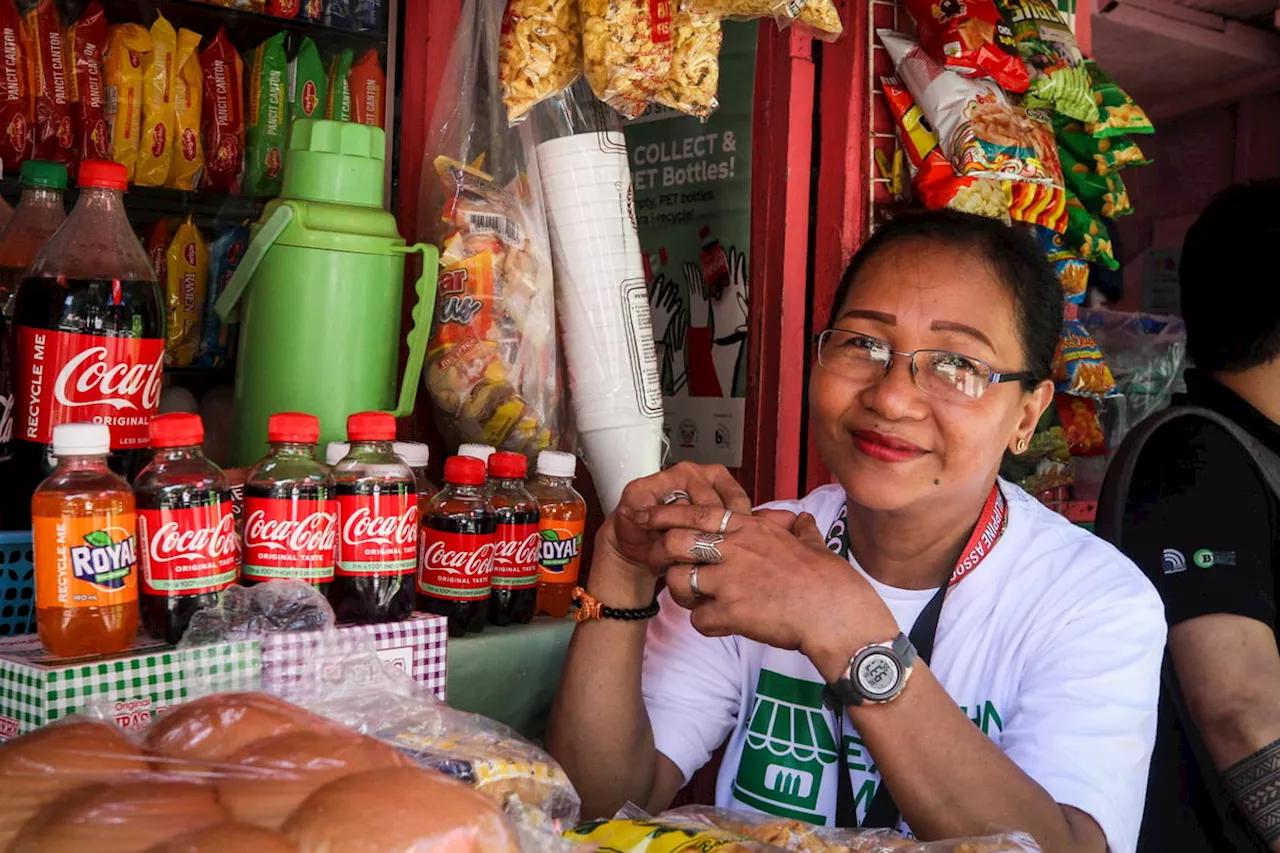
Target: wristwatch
876 674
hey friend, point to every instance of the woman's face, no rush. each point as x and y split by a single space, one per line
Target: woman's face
890 444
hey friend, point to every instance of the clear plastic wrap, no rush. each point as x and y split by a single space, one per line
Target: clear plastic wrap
819 18
695 64
540 52
626 51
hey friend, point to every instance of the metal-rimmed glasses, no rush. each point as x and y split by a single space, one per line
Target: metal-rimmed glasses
943 374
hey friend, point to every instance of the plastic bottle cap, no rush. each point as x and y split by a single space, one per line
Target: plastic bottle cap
464 471
508 466
557 463
43 173
293 426
176 429
81 439
476 451
335 452
371 426
415 454
103 173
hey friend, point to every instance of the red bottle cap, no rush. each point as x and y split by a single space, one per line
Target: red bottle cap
371 426
293 426
176 429
103 173
464 471
506 465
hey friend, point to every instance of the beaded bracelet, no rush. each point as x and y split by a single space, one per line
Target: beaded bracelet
592 608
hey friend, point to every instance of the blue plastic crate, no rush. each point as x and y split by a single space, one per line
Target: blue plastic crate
17 583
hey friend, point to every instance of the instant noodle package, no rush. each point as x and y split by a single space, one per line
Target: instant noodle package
155 150
266 122
128 46
338 103
87 42
368 86
223 117
53 136
185 283
188 98
308 82
15 89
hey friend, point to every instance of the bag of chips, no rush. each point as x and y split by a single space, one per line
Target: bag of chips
15 89
695 63
1104 195
1080 422
155 152
1078 365
970 37
87 42
338 102
1047 45
218 339
817 18
1103 154
368 86
539 52
188 97
127 49
311 11
626 51
223 116
1117 112
308 83
266 129
1071 269
1087 235
186 280
157 245
283 8
1038 204
53 137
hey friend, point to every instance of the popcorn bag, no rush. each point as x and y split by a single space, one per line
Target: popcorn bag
540 52
627 51
695 63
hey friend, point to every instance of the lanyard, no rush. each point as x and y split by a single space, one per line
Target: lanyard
882 812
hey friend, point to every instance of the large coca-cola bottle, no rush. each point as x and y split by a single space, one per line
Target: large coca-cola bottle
88 329
377 524
515 555
189 552
457 542
290 514
6 415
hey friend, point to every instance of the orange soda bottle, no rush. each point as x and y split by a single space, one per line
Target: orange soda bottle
562 515
85 541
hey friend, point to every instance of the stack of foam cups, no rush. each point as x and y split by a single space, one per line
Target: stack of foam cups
603 305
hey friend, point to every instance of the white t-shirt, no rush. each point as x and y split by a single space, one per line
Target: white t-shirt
1052 646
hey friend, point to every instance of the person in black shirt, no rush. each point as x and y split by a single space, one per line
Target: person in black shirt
1203 523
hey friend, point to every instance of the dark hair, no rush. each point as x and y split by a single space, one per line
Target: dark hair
1013 254
1226 253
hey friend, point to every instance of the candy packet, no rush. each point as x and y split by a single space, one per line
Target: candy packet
126 57
1047 45
86 44
338 100
539 52
217 339
1080 422
1071 269
223 116
53 137
155 150
970 38
695 63
186 281
308 82
368 85
15 89
1103 154
1117 112
626 51
1104 195
266 127
188 99
1078 364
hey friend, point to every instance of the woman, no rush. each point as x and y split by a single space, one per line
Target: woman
1034 709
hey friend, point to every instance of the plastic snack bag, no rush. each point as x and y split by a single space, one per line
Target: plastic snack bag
266 128
368 86
1038 204
127 49
157 243
338 103
663 835
283 8
1071 269
155 151
188 97
1078 365
308 83
311 11
788 834
15 89
1047 45
366 15
819 18
1118 114
87 42
1103 154
626 51
1104 195
1080 422
223 116
539 53
970 38
186 282
695 63
217 339
337 13
50 65
1087 235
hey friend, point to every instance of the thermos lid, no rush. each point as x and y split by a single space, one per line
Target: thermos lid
339 162
176 429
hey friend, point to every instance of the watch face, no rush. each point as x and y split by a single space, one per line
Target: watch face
877 673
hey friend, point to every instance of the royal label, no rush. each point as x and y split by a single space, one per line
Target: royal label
286 538
379 534
64 377
560 550
188 551
515 556
457 566
86 561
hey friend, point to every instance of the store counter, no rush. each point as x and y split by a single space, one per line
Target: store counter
511 673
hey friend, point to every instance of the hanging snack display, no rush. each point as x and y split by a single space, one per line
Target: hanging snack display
188 98
53 136
1117 112
1047 45
970 38
338 105
1072 271
308 82
1103 154
695 63
368 90
1087 235
820 18
86 43
185 282
1079 416
265 123
539 54
127 49
626 51
1104 195
1078 365
155 150
223 120
15 89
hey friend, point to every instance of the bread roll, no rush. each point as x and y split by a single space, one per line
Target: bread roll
399 811
284 770
39 767
227 838
124 818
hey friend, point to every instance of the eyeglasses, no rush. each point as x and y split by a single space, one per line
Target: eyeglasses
947 375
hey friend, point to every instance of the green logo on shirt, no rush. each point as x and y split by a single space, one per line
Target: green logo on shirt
1203 558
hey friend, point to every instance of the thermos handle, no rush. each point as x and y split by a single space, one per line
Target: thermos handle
422 313
258 246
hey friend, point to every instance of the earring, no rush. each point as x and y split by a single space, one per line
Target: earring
1021 446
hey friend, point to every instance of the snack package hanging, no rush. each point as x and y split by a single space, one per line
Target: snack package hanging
311 11
155 151
817 18
1038 204
188 102
1118 114
308 83
1078 365
266 127
492 367
1087 235
53 137
981 132
1080 421
87 43
1047 45
157 245
626 51
15 89
970 38
368 85
1103 154
186 282
338 103
695 63
1103 195
127 49
539 52
283 8
218 339
1071 269
223 116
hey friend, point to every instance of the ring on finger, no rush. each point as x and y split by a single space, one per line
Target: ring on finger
693 582
705 547
724 521
676 495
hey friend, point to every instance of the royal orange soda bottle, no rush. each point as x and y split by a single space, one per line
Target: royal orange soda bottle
85 540
562 515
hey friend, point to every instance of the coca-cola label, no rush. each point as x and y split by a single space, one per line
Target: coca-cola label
457 566
379 534
515 556
188 551
64 377
286 538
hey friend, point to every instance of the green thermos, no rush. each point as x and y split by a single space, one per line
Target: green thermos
319 290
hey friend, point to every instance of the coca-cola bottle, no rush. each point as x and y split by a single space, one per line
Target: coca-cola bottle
378 525
457 542
186 529
290 511
515 554
6 414
88 326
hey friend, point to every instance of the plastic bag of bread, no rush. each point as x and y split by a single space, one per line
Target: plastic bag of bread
539 52
626 51
695 63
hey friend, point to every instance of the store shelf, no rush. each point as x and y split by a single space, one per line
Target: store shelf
245 27
149 203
